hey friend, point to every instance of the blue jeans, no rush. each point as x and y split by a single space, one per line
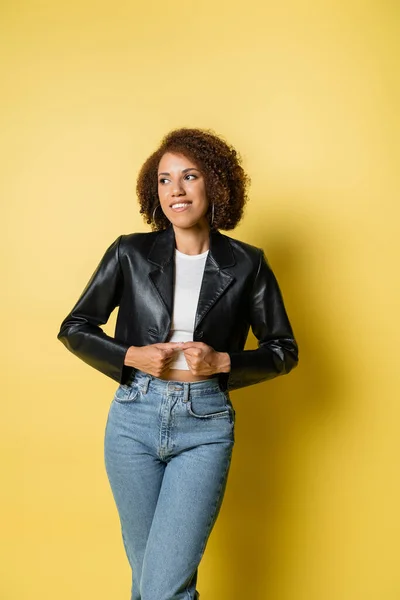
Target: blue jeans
167 449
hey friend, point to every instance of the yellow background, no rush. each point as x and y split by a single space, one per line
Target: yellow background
307 92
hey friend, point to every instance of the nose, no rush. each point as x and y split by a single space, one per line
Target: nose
177 189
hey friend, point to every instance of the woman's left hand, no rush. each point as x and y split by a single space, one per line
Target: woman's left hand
204 360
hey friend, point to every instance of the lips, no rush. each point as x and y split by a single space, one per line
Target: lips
180 206
186 202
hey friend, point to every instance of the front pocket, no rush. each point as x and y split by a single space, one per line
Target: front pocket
126 393
212 406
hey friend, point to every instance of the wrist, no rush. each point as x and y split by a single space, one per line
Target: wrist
224 362
130 356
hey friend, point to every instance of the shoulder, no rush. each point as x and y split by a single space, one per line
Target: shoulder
244 250
140 241
243 246
252 258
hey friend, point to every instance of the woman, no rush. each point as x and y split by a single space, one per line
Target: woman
187 296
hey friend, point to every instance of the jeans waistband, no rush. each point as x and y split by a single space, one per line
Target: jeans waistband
163 385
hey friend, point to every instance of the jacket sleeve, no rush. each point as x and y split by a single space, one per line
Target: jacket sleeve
80 331
277 352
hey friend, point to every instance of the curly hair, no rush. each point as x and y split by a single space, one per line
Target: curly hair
225 180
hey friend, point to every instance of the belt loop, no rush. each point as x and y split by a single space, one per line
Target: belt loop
146 382
186 391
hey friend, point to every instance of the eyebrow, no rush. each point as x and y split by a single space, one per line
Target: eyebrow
184 171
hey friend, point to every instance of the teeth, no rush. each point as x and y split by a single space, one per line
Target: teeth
180 205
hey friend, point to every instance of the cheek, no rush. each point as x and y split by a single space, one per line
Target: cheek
200 190
162 193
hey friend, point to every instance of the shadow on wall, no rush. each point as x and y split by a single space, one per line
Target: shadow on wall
274 422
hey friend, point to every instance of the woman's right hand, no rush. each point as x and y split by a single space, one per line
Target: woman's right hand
153 359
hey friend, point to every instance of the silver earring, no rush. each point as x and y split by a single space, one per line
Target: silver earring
155 210
212 213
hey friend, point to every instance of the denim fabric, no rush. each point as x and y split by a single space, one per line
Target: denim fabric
167 449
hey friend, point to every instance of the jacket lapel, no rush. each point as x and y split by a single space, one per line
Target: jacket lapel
162 255
215 280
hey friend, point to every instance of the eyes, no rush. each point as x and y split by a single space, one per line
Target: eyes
188 175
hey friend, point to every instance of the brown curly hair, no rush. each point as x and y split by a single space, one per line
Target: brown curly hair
225 179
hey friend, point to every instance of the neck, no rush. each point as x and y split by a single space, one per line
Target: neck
193 240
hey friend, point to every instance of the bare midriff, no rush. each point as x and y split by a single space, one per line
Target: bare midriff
183 375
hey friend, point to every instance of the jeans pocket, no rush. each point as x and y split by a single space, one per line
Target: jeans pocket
209 406
126 393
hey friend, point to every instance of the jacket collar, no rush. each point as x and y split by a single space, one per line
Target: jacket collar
163 249
215 279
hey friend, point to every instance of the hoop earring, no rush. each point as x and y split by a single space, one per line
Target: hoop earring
155 211
212 214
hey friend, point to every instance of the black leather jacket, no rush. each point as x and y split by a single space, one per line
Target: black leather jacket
136 273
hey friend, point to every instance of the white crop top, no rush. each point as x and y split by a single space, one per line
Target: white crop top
189 269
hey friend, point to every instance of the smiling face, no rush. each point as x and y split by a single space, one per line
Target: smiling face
182 192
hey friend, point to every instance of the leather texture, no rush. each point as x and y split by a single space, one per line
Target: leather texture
136 273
